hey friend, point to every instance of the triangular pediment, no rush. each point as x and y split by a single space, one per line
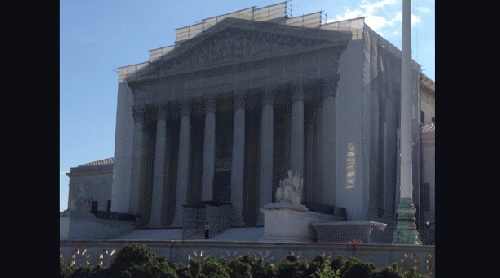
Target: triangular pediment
235 40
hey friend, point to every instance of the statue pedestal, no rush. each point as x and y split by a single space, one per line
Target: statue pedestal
290 223
345 231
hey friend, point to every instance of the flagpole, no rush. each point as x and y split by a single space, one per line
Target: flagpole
406 232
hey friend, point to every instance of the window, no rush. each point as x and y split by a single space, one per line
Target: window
108 206
422 116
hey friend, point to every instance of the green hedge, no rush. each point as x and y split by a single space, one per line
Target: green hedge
140 261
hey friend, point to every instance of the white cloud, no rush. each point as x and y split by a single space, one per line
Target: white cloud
349 14
370 7
399 17
424 10
373 19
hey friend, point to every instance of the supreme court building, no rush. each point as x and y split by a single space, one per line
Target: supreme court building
244 97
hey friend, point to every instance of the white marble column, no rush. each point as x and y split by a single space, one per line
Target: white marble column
183 163
208 150
297 148
238 157
329 88
266 152
137 159
159 168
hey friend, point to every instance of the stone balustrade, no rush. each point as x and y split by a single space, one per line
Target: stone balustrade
102 252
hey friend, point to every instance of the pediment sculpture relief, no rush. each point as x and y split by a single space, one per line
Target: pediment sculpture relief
234 45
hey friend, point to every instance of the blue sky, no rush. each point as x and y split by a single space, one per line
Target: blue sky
97 37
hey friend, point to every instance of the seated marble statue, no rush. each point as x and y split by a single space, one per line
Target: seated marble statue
289 190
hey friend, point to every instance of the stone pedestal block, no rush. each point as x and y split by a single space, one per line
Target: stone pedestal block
345 231
289 223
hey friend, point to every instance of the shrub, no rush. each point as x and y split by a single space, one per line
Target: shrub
327 272
316 266
360 270
65 268
390 271
155 268
90 271
291 267
214 268
258 267
239 269
412 273
130 255
181 270
338 262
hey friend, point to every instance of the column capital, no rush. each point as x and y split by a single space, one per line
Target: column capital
162 111
185 106
329 86
210 106
267 96
138 112
298 93
239 101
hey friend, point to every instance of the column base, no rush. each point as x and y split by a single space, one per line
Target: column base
406 230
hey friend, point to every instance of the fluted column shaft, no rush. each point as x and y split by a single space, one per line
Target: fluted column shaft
183 163
266 152
329 88
137 156
208 150
238 157
159 168
297 148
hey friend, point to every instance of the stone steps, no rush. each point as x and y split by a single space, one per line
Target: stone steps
153 234
232 234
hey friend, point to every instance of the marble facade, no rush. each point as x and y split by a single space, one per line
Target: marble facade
223 115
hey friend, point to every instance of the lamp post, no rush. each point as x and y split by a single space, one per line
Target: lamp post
406 232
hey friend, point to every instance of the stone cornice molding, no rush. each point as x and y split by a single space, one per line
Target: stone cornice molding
90 173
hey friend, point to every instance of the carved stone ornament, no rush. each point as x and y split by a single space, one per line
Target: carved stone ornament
233 45
298 93
162 111
239 101
211 106
268 96
185 107
138 113
329 86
